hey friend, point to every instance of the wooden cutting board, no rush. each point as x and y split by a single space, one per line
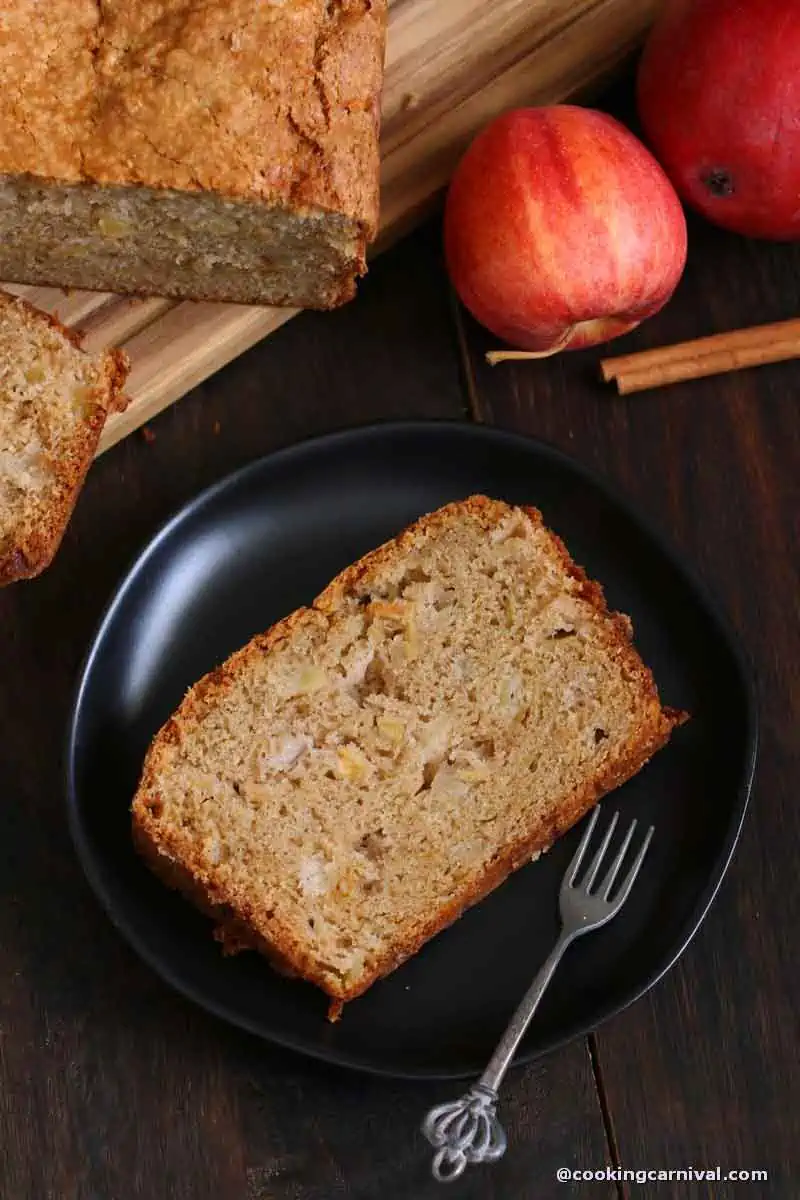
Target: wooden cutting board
451 65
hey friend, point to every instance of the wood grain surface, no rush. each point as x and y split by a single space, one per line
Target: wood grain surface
450 67
114 1088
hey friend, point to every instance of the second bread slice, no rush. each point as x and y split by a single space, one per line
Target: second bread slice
54 400
344 786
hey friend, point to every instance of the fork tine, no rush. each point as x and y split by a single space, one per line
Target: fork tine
608 882
630 878
594 866
574 866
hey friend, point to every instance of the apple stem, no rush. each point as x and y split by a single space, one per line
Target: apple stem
493 357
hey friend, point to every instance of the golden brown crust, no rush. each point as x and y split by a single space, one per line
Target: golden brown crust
172 857
32 550
269 103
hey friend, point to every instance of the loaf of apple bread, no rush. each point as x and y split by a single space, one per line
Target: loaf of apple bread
182 148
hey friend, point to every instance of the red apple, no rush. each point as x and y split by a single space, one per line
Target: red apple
561 229
719 99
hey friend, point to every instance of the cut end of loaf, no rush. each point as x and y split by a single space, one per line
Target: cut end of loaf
146 241
344 786
54 400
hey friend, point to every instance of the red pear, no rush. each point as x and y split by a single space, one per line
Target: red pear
719 100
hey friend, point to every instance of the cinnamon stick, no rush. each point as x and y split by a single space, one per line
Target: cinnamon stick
715 355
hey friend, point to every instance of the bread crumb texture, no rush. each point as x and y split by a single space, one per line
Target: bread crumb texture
54 400
344 786
177 145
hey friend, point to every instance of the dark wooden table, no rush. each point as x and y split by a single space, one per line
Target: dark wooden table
114 1088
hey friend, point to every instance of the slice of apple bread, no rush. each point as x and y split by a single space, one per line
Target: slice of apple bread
343 787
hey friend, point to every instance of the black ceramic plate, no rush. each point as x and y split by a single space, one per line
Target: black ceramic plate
266 540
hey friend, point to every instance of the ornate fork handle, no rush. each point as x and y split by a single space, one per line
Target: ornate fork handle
464 1131
468 1130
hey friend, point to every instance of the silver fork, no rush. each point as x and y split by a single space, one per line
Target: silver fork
468 1130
